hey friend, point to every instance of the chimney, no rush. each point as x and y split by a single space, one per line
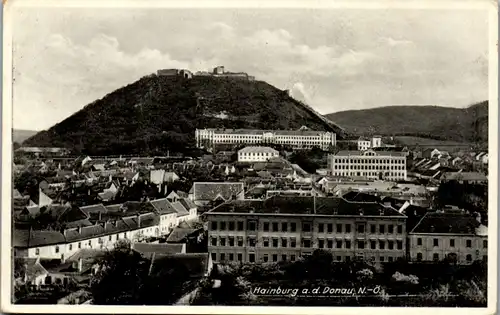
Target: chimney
139 220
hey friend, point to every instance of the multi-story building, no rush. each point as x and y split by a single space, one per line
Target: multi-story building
297 139
286 228
369 164
256 154
454 236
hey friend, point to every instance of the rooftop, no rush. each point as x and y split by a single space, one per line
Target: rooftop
370 153
258 149
275 132
306 205
447 223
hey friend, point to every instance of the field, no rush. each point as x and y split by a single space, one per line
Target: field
447 145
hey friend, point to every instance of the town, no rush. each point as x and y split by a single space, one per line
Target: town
263 199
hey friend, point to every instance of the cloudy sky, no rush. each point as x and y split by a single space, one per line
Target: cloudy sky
336 59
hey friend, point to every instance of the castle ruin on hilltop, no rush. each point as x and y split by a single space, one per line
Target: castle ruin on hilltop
217 72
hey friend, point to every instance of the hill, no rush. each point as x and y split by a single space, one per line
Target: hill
441 123
160 113
19 135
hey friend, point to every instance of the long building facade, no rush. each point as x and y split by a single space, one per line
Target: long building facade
297 139
369 164
286 228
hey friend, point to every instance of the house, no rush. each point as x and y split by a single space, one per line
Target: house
256 154
167 213
453 236
37 272
456 161
430 153
197 265
465 177
184 235
204 192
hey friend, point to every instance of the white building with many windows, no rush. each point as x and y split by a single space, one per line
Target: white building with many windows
256 154
369 164
297 139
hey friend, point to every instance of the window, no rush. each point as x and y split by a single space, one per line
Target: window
306 227
275 257
252 226
265 258
292 257
419 241
90 241
361 228
214 256
222 256
339 228
252 242
382 258
213 225
419 256
222 241
452 242
390 244
223 226
330 227
266 226
485 243
283 257
400 244
283 242
275 242
381 228
400 229
231 257
381 245
436 242
469 243
347 244
348 228
293 243
231 226
240 226
240 257
284 227
330 243
251 257
321 228
266 242
275 226
110 238
373 244
435 257
372 228
307 243
390 228
293 227
390 258
339 244
70 246
240 242
231 241
321 243
361 244
37 251
214 241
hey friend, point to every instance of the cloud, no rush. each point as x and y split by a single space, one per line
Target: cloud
395 42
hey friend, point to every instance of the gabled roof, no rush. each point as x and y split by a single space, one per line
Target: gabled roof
33 267
179 208
94 209
465 176
196 265
162 206
180 234
188 204
210 190
149 248
446 223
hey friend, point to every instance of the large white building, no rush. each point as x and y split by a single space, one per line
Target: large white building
297 139
256 154
369 164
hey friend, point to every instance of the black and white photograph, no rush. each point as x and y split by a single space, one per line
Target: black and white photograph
227 157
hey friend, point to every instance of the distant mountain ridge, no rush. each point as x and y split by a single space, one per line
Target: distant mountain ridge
19 135
458 124
159 113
